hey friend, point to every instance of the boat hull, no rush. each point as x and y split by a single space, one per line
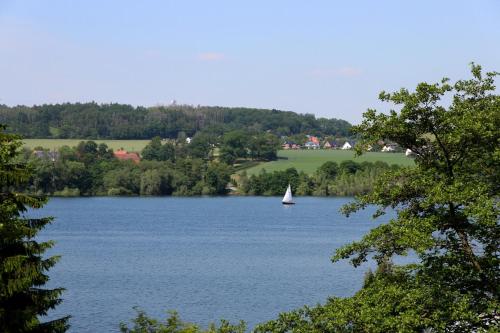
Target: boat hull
288 203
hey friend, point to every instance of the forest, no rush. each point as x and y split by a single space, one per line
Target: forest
121 121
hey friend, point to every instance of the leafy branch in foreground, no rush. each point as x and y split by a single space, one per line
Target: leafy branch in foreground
447 213
173 324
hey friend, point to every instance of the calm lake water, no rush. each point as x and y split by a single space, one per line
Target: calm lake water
236 258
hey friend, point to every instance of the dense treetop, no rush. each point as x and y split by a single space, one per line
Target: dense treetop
120 121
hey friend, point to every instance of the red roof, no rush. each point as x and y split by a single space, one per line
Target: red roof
123 155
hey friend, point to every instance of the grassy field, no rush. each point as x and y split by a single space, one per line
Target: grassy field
309 160
129 145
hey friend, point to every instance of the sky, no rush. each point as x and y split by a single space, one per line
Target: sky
330 58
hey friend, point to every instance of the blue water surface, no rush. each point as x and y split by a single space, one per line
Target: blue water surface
236 258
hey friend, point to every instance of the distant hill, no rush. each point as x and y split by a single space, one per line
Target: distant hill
121 121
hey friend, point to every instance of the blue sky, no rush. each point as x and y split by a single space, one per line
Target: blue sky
330 58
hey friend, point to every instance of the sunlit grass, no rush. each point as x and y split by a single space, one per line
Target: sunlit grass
309 160
129 145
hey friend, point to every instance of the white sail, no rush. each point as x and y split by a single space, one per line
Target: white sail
288 195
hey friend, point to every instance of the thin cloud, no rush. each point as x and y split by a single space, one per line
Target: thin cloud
336 72
211 56
349 71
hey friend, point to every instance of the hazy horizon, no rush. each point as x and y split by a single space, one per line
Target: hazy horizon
328 59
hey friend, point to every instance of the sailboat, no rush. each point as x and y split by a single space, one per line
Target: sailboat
287 199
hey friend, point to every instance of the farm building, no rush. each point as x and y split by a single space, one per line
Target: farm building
123 155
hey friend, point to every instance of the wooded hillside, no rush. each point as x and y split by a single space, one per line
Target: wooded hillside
120 121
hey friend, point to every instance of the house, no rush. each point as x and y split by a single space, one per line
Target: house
329 145
188 140
288 145
296 146
123 155
409 153
312 145
389 148
346 146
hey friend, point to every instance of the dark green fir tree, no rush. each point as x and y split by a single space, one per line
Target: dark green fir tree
23 269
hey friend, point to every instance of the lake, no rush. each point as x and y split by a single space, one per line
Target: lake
236 258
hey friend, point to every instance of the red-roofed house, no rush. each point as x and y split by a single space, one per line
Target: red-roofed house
123 155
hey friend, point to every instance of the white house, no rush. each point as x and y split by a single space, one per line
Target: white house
346 146
312 145
188 140
387 149
409 153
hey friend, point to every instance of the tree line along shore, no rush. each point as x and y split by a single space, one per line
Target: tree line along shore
169 168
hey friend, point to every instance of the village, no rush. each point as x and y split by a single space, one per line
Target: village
314 142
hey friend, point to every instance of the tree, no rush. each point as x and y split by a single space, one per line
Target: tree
151 182
201 145
234 146
87 151
152 149
329 170
155 151
263 147
22 267
447 214
173 324
349 167
216 179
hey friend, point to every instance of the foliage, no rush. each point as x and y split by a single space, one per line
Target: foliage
447 214
173 324
348 178
247 144
91 169
263 147
234 146
22 267
156 151
120 121
216 178
202 145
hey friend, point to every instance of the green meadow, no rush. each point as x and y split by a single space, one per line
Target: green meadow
309 160
129 145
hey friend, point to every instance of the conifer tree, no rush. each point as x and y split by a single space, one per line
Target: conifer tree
23 270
